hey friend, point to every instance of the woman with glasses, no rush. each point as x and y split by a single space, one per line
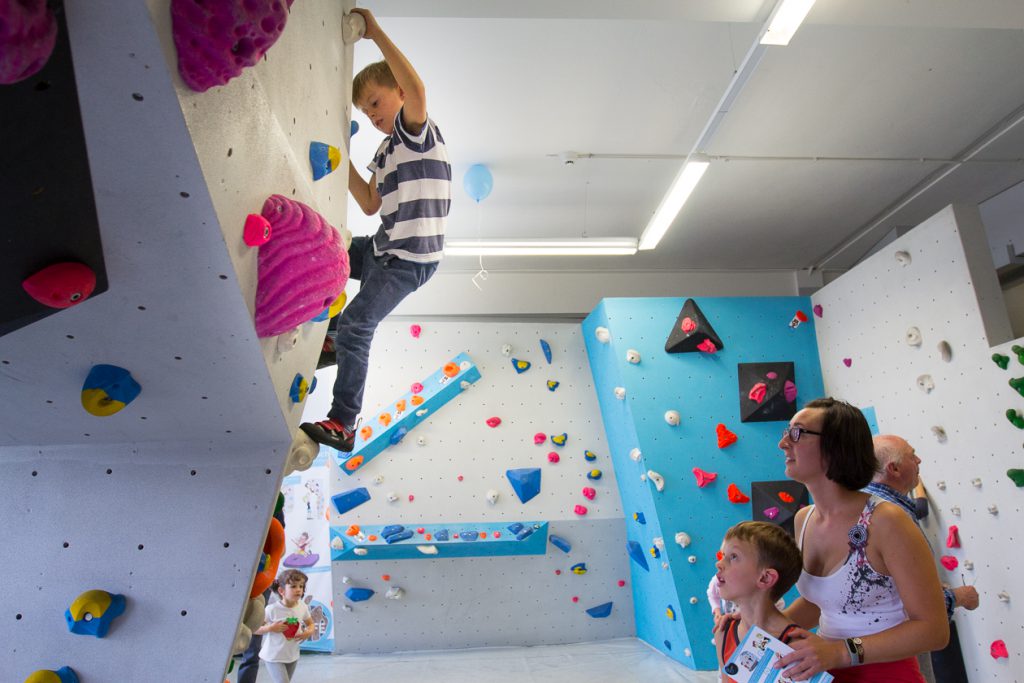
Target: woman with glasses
869 582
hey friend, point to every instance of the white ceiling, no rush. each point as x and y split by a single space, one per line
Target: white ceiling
513 84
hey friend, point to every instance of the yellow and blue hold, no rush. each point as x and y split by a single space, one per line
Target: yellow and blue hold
107 389
65 674
323 159
93 611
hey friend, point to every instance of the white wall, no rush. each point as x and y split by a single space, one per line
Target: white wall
949 292
488 601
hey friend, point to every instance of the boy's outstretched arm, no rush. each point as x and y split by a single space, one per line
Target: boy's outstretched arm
414 111
363 191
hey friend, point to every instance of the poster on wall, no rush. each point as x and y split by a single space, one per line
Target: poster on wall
307 538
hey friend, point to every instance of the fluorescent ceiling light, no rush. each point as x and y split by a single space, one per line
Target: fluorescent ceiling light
785 20
687 178
542 247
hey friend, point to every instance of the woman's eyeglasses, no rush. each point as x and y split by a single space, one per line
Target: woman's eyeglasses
794 433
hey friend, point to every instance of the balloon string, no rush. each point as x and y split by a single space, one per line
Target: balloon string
481 275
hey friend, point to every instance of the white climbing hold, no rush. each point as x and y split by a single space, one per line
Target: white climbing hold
993 510
976 482
903 258
301 453
603 335
941 485
664 565
337 543
672 417
421 412
395 593
285 343
635 455
427 549
968 565
345 580
925 383
392 496
506 349
693 600
464 384
379 479
692 559
955 510
659 481
465 365
492 496
659 543
643 476
347 608
913 336
686 651
945 351
940 433
620 393
632 356
360 551
1003 596
683 539
421 441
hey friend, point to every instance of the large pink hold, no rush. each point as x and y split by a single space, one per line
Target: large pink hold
301 271
216 39
28 33
789 391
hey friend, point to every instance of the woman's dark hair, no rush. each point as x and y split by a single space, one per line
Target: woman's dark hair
846 444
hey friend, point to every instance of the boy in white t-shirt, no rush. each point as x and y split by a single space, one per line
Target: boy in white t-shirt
287 623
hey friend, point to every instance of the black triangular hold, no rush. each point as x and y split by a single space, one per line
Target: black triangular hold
777 501
692 332
767 391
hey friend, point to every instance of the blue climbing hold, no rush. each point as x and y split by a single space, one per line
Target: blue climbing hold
639 518
323 159
346 500
579 568
93 611
521 366
469 535
655 553
560 543
546 348
398 435
590 456
353 128
552 385
525 482
668 645
594 475
600 611
636 553
670 613
391 529
525 533
400 536
441 535
358 594
560 439
515 528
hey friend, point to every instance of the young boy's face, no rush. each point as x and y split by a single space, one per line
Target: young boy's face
293 591
381 105
738 569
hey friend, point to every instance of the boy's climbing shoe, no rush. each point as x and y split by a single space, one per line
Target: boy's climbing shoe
330 433
328 355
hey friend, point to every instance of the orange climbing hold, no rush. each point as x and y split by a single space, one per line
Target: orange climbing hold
366 432
450 369
725 437
354 463
385 419
785 497
400 406
352 530
416 400
373 537
737 496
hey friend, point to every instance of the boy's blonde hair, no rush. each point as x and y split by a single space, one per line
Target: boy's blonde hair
776 550
378 73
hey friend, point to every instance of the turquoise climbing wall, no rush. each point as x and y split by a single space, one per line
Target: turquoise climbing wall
704 390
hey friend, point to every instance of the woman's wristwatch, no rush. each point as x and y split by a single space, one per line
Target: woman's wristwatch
855 646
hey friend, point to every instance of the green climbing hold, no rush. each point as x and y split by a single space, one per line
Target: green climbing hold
1019 352
1017 476
1018 385
1001 360
1015 418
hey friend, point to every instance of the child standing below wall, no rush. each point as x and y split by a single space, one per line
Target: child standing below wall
411 188
287 623
759 563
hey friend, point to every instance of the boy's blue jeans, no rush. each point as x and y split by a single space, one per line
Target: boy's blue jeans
383 282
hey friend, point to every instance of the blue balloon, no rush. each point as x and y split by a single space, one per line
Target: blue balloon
478 182
353 128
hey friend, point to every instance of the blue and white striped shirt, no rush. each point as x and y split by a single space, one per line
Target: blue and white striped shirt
414 181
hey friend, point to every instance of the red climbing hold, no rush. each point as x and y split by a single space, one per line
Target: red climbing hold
998 650
493 422
737 496
725 437
785 497
707 346
949 562
703 478
953 537
553 457
801 316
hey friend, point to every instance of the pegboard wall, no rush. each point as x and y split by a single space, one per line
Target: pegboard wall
704 390
484 601
167 501
943 284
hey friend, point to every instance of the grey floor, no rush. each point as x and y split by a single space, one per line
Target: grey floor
624 660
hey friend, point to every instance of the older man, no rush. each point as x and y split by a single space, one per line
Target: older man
897 475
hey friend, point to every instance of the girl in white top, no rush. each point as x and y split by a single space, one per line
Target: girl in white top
869 580
288 623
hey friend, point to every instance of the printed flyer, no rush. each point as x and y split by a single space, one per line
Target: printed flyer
753 660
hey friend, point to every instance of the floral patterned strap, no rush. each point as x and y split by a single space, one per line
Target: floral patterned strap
858 534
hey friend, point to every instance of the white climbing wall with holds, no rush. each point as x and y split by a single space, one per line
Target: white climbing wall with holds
447 470
911 331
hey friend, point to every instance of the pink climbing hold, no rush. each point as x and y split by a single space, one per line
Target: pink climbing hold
818 310
497 534
949 562
558 572
707 346
589 492
998 649
687 326
771 513
553 457
300 272
789 391
420 530
416 388
257 230
539 438
575 598
621 583
953 537
459 477
216 39
415 331
580 510
772 375
757 392
493 422
28 33
847 362
411 498
703 478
